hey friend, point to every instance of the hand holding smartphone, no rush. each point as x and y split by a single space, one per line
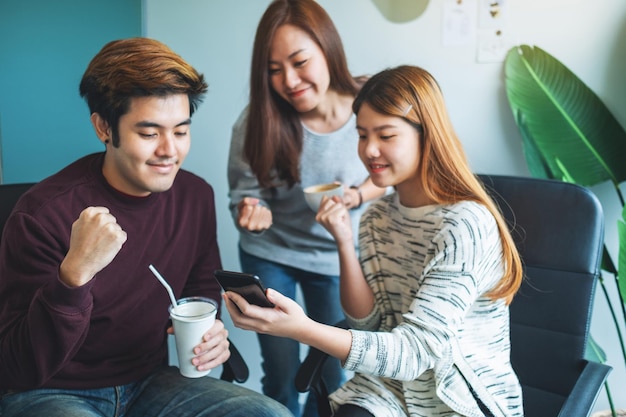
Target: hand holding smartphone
249 286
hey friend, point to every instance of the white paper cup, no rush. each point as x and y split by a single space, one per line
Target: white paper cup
314 193
191 318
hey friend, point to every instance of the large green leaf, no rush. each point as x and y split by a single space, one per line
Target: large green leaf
594 352
621 232
568 132
537 163
607 263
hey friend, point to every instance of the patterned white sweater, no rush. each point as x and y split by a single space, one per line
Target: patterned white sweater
433 337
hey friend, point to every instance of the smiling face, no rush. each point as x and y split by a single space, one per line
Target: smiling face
390 149
154 141
298 69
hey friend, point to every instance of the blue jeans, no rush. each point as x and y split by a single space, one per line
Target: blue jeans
164 393
281 356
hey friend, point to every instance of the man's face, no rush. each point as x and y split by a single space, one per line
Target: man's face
154 141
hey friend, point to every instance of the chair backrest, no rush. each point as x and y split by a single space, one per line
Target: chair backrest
9 194
558 229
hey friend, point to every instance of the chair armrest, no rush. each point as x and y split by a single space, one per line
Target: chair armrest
235 368
584 394
309 374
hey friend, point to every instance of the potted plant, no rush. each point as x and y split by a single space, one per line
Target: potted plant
569 134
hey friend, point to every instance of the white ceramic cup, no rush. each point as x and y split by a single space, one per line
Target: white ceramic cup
191 318
314 193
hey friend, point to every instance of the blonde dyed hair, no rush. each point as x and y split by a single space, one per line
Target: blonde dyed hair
412 94
137 67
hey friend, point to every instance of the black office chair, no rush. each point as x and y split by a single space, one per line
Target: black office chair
235 369
9 194
558 229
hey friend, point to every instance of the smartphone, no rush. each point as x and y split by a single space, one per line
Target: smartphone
249 286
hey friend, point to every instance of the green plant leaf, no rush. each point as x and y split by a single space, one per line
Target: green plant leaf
607 261
621 232
578 138
594 352
537 164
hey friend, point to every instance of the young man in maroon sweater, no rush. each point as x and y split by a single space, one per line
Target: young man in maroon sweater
83 322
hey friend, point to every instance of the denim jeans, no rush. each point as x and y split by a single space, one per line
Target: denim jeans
281 356
163 393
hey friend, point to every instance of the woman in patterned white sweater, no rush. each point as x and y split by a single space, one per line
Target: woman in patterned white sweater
427 296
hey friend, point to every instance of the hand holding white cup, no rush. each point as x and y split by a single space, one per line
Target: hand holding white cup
314 193
191 318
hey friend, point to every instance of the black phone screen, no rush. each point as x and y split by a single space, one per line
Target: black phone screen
249 286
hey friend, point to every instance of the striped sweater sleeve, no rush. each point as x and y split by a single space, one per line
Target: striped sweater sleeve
422 304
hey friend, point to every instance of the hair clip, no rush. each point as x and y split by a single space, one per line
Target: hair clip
408 109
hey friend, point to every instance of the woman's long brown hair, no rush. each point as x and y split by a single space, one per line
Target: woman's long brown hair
273 141
444 170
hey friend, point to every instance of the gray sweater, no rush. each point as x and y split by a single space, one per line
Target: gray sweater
295 238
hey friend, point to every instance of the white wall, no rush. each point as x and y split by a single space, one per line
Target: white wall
588 36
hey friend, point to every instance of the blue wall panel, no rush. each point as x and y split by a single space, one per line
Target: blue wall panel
45 46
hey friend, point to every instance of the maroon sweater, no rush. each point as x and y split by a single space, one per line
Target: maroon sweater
112 330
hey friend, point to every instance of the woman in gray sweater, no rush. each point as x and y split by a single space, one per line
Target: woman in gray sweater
298 130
